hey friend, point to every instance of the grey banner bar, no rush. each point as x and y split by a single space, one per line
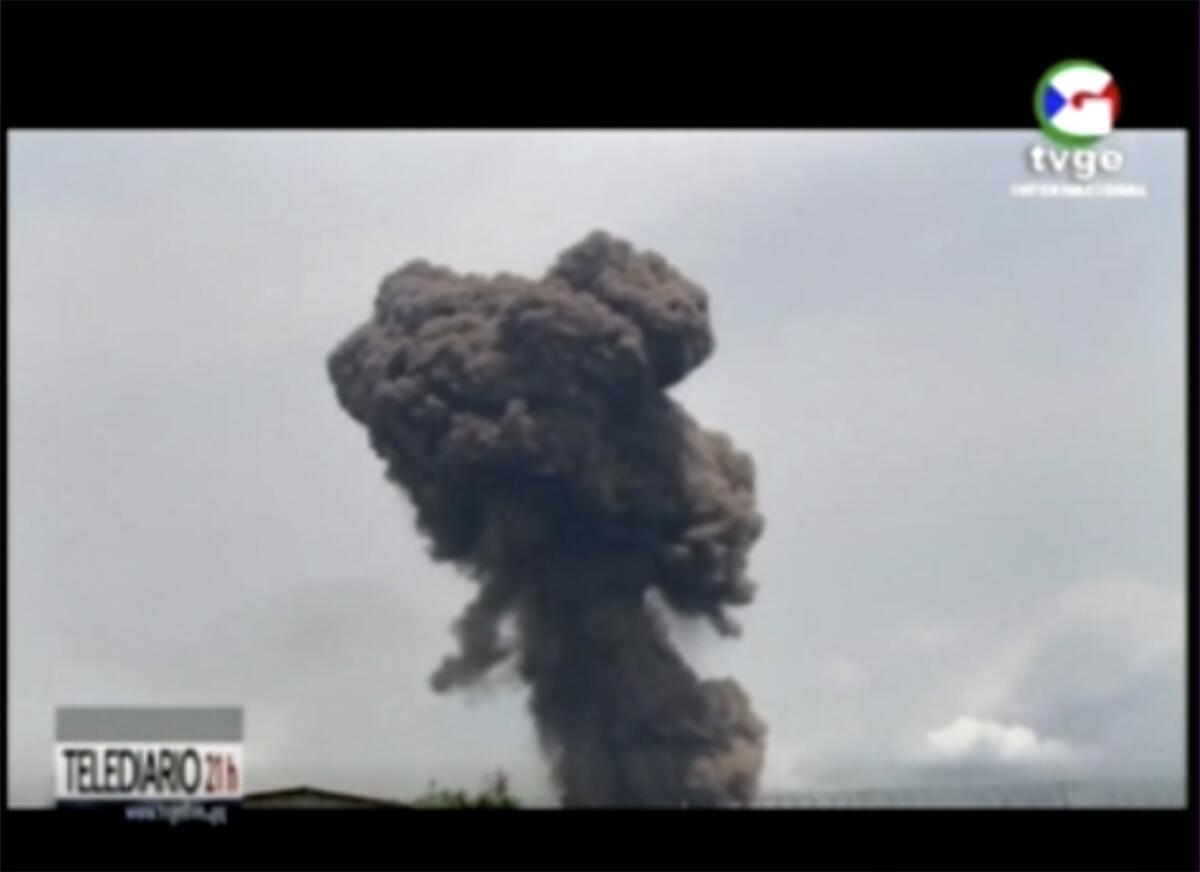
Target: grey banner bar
148 724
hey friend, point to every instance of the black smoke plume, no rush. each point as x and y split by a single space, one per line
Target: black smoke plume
529 423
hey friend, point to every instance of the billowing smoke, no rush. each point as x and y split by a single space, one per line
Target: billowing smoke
528 422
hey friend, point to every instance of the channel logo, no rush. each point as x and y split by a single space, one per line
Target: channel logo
139 755
1076 103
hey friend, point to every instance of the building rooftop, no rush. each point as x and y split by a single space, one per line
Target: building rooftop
304 796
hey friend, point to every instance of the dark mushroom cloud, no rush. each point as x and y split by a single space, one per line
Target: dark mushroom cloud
529 423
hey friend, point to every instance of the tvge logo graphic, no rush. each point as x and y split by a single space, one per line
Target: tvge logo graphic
1076 103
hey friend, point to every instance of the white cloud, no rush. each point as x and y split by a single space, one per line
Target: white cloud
1100 668
979 740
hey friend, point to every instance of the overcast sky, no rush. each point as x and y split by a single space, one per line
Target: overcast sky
966 412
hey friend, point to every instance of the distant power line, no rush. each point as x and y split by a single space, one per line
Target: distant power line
1048 795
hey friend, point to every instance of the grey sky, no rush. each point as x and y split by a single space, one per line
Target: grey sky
966 411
